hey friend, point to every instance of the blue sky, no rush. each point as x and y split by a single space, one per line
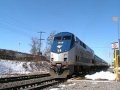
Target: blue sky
90 20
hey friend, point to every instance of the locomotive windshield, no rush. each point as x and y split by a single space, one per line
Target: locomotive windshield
66 37
62 42
62 38
57 38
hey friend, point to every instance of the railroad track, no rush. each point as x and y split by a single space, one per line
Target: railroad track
22 77
28 83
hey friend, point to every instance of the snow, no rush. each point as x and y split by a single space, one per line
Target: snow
18 67
54 89
101 76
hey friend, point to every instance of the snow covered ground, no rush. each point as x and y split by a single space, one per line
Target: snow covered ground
108 76
101 75
17 67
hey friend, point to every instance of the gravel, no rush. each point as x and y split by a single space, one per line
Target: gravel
88 85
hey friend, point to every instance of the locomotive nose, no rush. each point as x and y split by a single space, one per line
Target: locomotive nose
62 57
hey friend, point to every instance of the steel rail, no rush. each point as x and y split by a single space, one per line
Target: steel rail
32 84
23 77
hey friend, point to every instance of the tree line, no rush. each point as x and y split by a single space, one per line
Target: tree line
35 45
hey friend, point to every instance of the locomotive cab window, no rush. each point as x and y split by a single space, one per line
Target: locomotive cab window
66 37
57 38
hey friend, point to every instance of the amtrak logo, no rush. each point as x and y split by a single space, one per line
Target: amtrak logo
60 42
59 46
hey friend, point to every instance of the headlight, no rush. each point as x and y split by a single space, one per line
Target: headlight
52 59
65 59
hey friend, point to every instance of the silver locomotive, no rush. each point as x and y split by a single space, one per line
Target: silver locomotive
69 55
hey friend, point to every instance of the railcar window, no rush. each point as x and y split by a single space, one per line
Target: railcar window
57 38
73 40
76 58
81 43
84 45
66 37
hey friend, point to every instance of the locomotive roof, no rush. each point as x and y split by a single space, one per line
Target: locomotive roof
70 34
64 34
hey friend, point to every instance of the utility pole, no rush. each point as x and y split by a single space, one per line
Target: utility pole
116 19
40 42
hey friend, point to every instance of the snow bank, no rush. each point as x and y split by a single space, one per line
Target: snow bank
17 67
101 75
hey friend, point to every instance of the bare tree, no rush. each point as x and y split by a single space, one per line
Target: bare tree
49 43
34 46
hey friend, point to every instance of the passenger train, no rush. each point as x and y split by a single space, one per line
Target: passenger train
69 55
